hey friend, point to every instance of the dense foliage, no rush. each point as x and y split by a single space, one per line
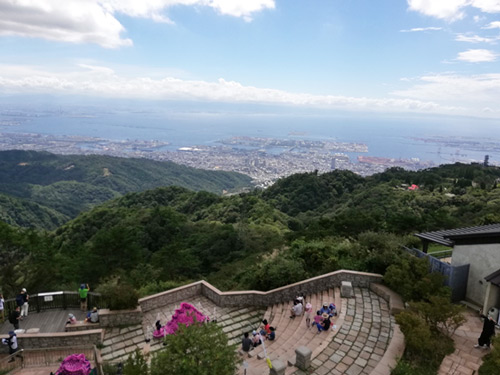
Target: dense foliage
491 362
303 226
44 190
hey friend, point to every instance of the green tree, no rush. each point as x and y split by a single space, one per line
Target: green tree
200 349
274 272
136 364
118 295
409 276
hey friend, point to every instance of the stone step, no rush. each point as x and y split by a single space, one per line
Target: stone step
292 333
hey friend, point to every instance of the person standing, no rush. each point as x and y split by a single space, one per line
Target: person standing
14 317
12 343
2 311
22 301
487 333
83 291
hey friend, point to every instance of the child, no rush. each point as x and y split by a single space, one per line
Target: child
71 319
308 311
333 309
318 319
272 335
257 339
265 329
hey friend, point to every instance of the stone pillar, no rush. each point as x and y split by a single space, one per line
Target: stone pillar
346 289
278 368
303 357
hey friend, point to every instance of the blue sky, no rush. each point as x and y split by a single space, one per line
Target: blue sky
437 57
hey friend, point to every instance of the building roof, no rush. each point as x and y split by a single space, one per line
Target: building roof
450 236
494 278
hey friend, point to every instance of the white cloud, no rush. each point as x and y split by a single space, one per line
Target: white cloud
154 9
493 25
445 9
101 81
94 21
75 21
242 8
477 55
416 29
474 39
474 92
452 10
487 6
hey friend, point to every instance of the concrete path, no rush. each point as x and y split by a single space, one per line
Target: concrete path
466 359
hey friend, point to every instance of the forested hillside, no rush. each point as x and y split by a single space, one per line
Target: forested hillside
303 226
44 190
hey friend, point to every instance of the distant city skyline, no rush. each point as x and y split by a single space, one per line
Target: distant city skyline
386 56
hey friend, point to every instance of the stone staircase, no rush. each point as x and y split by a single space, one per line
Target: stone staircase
119 343
293 333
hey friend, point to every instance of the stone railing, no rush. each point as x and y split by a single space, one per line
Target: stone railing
59 339
119 318
170 296
257 298
394 300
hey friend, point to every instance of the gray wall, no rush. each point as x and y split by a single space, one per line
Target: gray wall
483 260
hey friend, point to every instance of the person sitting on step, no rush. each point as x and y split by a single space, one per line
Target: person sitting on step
325 323
257 339
297 309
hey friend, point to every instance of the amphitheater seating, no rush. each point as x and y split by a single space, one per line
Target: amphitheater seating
293 333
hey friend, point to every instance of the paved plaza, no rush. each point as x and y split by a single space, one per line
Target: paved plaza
466 359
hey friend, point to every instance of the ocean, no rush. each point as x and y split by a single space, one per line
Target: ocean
386 136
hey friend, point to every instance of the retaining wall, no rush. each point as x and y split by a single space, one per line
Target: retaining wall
257 298
119 318
59 339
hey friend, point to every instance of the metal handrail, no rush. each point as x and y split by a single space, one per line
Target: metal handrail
442 254
7 365
56 300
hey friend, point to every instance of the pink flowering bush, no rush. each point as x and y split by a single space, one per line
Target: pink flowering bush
186 315
75 364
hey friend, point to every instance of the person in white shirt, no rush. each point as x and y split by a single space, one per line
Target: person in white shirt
2 311
297 309
12 343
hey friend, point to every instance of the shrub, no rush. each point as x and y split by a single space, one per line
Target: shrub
491 362
424 347
118 295
197 349
406 368
136 364
440 314
409 276
155 287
